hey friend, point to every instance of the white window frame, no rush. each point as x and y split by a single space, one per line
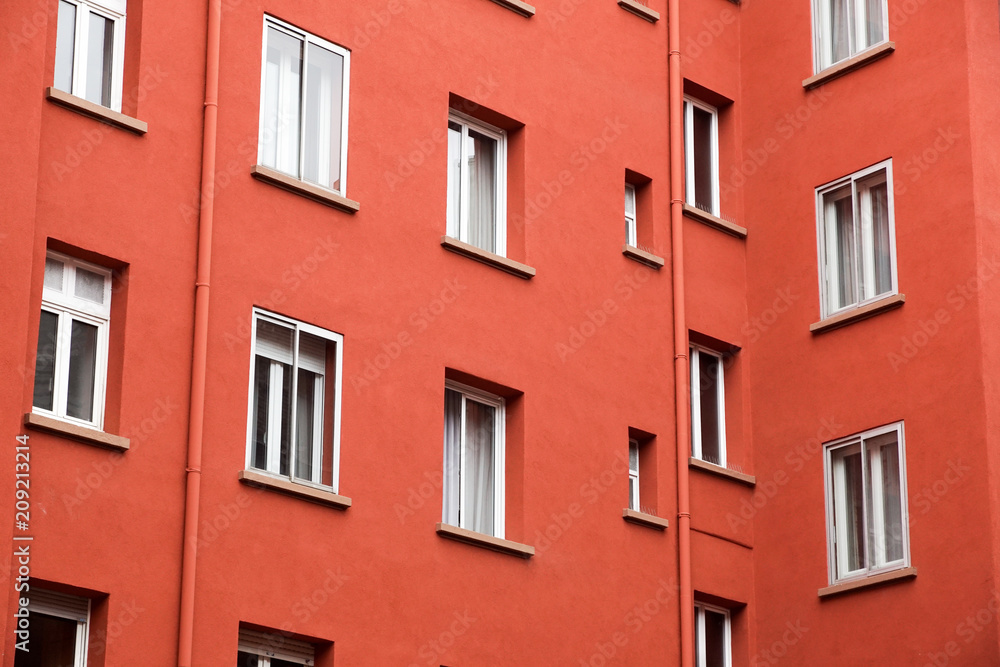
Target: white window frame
823 32
70 308
459 229
836 521
499 458
700 639
633 475
829 271
335 383
307 38
630 216
690 104
114 10
696 352
263 645
69 607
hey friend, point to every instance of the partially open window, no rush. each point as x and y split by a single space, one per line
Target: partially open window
58 626
90 50
701 155
708 411
477 192
273 649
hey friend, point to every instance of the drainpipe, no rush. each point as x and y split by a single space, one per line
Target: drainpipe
200 352
681 370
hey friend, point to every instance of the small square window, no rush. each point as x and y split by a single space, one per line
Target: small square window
477 190
90 50
473 459
295 387
72 355
708 400
701 155
59 627
857 239
631 235
713 632
844 28
303 110
273 649
866 503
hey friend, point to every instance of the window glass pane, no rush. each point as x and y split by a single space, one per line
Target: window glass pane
874 25
704 197
65 44
840 26
89 285
100 45
630 215
452 446
454 179
82 371
53 642
633 456
885 449
280 110
880 233
842 248
482 191
54 270
851 507
276 662
478 470
715 639
323 104
45 361
262 381
708 384
247 660
274 341
309 426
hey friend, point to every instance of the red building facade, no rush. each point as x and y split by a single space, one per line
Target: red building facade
487 333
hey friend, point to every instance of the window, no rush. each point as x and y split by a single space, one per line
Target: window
857 239
477 191
272 649
473 460
58 625
630 229
303 110
633 475
708 414
295 382
713 637
72 356
701 156
866 503
843 28
90 50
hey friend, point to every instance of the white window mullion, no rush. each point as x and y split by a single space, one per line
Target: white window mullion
716 210
465 174
498 479
462 470
293 426
80 50
689 185
695 393
720 386
303 107
317 419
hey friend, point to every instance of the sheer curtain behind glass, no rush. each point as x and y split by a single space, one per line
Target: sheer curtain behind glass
322 122
452 455
470 459
281 104
482 161
885 501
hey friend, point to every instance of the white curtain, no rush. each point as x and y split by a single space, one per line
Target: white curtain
452 454
875 27
482 160
281 107
880 233
478 499
841 248
840 30
323 105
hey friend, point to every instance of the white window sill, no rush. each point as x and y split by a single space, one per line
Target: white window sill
90 436
96 111
722 471
640 10
857 314
518 7
486 257
310 493
643 519
307 190
715 221
849 65
485 541
643 257
867 582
